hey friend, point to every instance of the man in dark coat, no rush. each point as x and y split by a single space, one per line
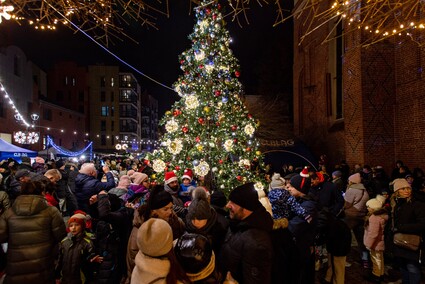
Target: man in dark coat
87 185
247 251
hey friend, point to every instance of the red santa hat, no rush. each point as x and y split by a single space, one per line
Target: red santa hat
188 174
304 173
170 177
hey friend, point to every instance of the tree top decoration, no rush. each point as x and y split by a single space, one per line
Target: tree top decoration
106 20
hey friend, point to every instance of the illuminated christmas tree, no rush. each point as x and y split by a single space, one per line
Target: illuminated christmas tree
209 129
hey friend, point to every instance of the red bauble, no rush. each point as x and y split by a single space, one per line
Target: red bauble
185 129
249 115
234 127
235 140
218 6
217 123
217 93
146 162
181 61
153 183
220 161
177 168
177 112
208 10
201 66
214 16
248 149
237 73
201 120
239 178
197 139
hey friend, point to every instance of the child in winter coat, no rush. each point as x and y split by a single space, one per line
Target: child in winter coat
374 237
76 253
187 182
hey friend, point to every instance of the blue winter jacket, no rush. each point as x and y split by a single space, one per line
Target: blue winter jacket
86 186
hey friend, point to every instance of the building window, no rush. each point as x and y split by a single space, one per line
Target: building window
65 82
102 140
47 114
112 125
112 111
104 111
112 97
112 81
102 81
81 96
339 56
102 96
102 125
1 110
73 81
16 65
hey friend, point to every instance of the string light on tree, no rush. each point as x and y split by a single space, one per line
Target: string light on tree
203 132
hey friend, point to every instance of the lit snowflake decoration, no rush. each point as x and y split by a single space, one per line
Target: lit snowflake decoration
258 186
191 102
33 137
243 163
249 129
158 165
175 146
171 126
200 55
202 169
228 145
209 68
20 137
4 11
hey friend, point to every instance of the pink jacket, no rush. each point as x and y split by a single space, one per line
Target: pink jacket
374 233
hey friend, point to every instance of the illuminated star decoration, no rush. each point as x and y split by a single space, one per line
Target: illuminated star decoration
4 11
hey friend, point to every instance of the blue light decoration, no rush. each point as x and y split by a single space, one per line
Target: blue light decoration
70 153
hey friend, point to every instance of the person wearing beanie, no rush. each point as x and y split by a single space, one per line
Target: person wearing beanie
76 252
283 205
338 181
138 191
408 217
248 246
373 239
26 164
158 205
122 188
197 258
303 233
202 219
355 210
155 261
31 255
187 181
39 165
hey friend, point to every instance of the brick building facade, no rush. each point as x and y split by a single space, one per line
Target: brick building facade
362 105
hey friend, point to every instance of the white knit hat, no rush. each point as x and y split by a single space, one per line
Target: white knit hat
277 181
374 204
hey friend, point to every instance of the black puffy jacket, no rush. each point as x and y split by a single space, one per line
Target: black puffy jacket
33 231
247 250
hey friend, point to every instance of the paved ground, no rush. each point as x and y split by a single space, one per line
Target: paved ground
356 273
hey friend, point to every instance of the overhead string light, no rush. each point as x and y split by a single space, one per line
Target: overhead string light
13 106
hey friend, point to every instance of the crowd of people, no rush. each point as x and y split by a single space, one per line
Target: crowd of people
105 222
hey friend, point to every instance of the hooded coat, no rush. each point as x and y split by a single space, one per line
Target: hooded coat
247 250
86 186
33 231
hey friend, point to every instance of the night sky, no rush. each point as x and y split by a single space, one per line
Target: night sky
264 52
